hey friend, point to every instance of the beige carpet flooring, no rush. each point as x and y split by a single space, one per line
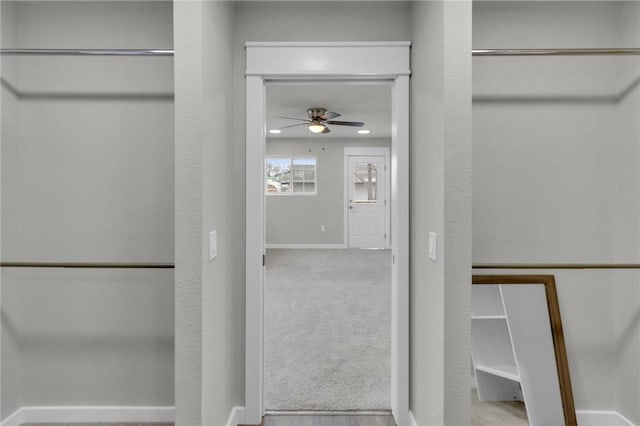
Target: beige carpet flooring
327 334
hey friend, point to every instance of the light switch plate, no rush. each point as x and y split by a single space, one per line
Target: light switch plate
433 246
213 245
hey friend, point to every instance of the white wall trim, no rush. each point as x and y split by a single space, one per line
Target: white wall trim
234 416
327 43
305 246
299 60
600 418
412 419
99 414
304 61
14 419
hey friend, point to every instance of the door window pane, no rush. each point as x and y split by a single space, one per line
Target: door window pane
365 179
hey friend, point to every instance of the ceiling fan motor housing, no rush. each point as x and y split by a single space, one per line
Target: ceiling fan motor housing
316 113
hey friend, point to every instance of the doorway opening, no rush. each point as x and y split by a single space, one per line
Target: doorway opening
327 302
320 62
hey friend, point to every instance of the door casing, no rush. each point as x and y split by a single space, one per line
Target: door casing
322 61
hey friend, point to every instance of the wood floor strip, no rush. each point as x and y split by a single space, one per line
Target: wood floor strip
97 424
327 420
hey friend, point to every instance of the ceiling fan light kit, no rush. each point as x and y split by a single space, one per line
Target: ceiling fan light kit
316 127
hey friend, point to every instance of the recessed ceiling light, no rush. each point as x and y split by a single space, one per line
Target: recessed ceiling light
364 131
275 131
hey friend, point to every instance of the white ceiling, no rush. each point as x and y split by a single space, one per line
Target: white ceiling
356 101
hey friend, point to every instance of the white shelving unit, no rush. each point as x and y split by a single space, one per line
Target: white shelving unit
512 349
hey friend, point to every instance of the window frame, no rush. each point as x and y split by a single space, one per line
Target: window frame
291 159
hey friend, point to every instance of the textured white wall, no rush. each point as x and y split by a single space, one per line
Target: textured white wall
92 177
297 220
10 359
427 165
209 295
222 293
627 231
188 39
441 203
556 177
298 21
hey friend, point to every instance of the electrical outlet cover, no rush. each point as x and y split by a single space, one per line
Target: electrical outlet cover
213 245
433 246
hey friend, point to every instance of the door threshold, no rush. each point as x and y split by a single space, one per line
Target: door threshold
327 413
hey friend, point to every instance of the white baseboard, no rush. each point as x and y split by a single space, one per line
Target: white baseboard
234 416
14 419
585 418
412 420
305 246
601 418
100 414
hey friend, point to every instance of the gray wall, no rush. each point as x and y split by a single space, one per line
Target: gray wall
556 177
627 229
297 220
201 132
92 177
440 292
10 359
440 202
222 294
209 295
298 21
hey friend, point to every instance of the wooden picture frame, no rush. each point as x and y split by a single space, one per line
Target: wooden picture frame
557 334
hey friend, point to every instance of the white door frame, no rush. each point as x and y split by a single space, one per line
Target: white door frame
368 151
267 61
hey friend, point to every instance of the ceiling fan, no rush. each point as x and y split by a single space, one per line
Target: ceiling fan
319 118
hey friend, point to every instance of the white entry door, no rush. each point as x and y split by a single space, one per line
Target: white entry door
366 202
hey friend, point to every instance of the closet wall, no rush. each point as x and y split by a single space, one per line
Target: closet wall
263 21
204 327
10 296
627 232
440 203
87 176
209 294
555 176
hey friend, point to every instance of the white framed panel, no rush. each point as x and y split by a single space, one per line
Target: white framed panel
400 250
327 59
255 227
311 62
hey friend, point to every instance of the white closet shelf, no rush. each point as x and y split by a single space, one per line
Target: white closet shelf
509 372
488 317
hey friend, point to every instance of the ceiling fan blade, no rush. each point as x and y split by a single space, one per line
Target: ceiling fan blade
293 125
326 130
346 123
330 115
294 118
